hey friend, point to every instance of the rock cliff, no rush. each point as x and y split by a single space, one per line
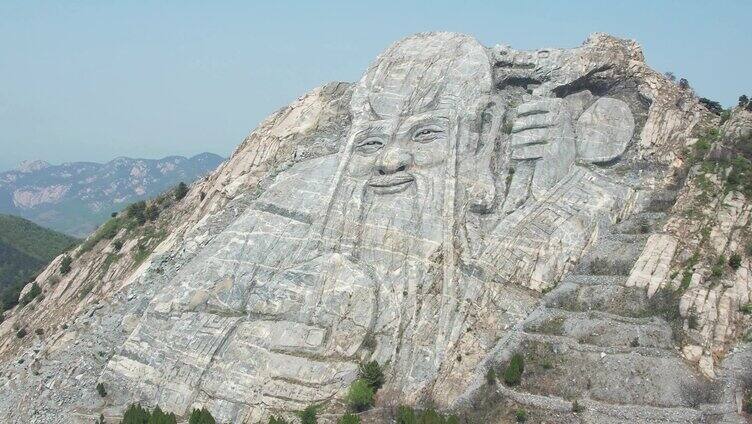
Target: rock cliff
456 206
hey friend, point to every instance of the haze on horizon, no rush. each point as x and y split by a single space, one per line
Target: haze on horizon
90 81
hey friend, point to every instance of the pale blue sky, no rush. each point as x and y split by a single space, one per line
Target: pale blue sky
98 79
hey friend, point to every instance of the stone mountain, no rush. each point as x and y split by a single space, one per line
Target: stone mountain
457 206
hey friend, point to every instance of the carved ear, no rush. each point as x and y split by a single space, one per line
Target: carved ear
604 131
481 189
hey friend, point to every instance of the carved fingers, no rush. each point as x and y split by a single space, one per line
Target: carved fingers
539 124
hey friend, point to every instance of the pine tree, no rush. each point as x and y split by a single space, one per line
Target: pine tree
373 375
135 414
201 416
180 191
65 265
513 372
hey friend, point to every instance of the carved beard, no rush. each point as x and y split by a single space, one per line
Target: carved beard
394 235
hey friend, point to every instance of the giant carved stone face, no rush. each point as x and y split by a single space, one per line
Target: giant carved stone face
394 155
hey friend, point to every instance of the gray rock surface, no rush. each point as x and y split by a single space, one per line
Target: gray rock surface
457 205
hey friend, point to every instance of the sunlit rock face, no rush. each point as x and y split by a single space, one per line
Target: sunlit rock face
450 206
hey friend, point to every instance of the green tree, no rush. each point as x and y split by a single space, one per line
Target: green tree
137 212
33 292
373 375
135 414
520 415
275 420
160 417
180 191
151 212
101 390
735 261
491 376
360 395
308 415
430 416
349 419
100 420
514 370
406 415
201 416
65 265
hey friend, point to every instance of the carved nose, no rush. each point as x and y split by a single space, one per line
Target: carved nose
393 161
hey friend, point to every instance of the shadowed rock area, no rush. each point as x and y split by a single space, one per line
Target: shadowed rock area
457 205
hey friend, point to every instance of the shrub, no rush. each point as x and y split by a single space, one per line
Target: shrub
514 369
101 390
201 416
373 375
735 261
180 191
360 395
520 415
137 212
39 331
576 407
275 420
716 271
748 404
117 245
743 100
349 419
406 415
65 265
33 292
100 420
152 212
491 376
21 333
430 416
746 308
308 415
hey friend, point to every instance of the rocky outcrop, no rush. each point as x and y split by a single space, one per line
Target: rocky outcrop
456 206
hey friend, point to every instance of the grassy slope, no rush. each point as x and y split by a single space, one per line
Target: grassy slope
24 249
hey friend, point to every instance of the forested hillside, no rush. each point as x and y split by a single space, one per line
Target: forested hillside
24 249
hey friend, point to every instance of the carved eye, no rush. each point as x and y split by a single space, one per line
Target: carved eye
428 134
369 146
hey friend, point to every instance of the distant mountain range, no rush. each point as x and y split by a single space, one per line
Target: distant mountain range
75 197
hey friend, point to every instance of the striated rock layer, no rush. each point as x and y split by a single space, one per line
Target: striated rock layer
457 205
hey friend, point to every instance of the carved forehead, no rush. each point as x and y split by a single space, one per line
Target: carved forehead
424 72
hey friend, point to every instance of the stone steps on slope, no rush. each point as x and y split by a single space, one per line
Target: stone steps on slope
615 299
559 366
613 254
603 329
593 411
641 223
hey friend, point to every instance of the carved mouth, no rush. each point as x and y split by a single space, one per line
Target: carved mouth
391 184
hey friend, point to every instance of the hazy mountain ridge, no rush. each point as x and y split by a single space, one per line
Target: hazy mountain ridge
75 197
